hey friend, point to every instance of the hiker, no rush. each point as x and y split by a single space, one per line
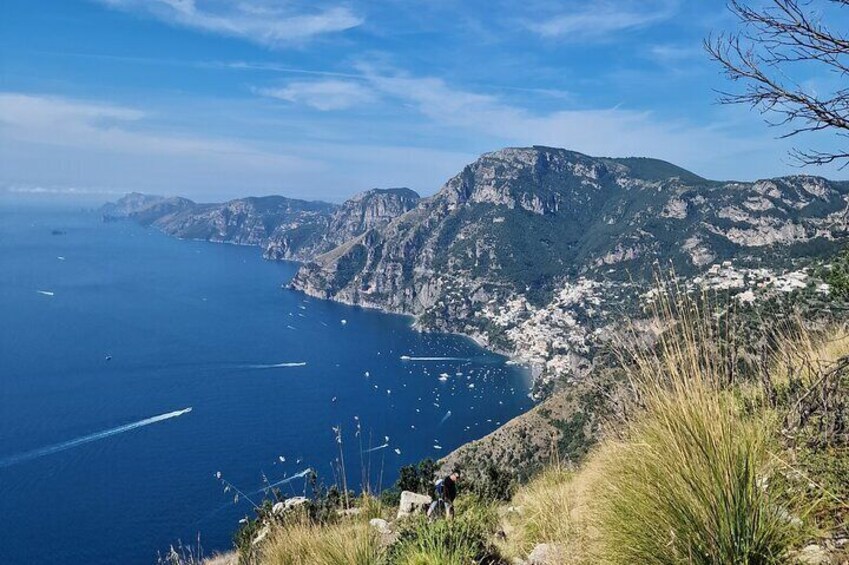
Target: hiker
446 492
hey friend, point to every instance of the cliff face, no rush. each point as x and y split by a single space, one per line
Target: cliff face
286 228
530 250
365 211
246 221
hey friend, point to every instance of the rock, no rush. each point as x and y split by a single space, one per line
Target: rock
288 504
263 533
382 526
813 555
546 554
412 502
295 501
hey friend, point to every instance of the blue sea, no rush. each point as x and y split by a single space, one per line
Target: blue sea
111 332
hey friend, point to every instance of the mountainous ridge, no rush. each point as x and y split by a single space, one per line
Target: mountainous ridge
530 251
286 228
538 253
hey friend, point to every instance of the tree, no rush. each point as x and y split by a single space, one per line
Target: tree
776 41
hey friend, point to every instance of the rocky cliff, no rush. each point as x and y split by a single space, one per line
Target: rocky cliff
363 212
531 250
286 228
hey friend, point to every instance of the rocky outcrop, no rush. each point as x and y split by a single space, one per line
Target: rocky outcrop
412 503
497 247
363 212
285 228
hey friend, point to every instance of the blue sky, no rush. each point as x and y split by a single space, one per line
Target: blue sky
320 99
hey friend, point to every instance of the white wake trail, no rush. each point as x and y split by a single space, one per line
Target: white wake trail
445 418
384 446
36 453
278 365
302 474
408 358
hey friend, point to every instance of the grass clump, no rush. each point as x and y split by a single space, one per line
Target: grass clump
465 539
692 485
543 511
306 543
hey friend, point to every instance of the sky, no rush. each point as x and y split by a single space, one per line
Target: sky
320 99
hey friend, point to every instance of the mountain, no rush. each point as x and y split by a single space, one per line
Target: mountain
363 212
533 251
286 228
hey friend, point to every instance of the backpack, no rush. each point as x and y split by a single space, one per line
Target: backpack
439 486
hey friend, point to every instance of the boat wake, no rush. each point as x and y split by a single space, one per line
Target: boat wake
409 358
299 475
277 365
36 453
382 446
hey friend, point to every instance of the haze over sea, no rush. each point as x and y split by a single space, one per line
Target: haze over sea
110 332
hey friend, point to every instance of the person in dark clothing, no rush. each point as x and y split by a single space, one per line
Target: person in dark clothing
446 492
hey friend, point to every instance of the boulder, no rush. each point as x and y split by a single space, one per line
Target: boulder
382 526
288 504
546 554
813 555
412 502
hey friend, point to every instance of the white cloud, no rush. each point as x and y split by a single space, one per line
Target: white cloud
739 148
48 140
268 23
599 20
52 145
59 190
323 95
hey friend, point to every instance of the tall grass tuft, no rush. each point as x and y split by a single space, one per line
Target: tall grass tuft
543 511
305 543
690 481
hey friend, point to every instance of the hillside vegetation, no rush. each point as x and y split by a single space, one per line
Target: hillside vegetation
718 458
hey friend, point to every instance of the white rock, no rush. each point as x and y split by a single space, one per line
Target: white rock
288 504
813 555
546 554
295 501
412 502
382 526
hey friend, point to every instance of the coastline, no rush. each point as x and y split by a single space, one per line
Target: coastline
534 369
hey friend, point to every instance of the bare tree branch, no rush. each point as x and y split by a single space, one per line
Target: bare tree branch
773 42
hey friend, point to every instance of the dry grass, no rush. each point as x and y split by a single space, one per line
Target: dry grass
557 507
303 543
697 474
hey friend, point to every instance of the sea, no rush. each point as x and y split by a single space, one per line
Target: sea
141 375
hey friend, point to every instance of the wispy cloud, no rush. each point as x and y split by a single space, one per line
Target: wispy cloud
58 190
323 95
46 140
273 24
77 123
612 131
600 20
50 144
